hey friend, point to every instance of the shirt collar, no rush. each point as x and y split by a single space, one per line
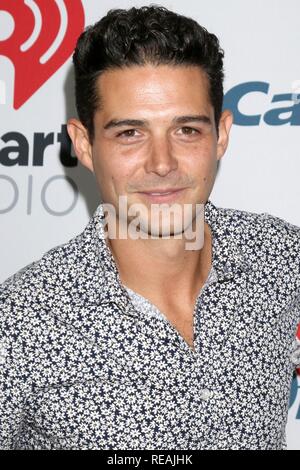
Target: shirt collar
228 259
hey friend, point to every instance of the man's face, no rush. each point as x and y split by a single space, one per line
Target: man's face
155 132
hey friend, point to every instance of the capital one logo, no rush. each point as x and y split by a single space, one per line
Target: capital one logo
285 112
39 36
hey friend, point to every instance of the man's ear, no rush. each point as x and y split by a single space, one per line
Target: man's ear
225 124
81 143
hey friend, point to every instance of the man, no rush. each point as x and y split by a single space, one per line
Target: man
137 342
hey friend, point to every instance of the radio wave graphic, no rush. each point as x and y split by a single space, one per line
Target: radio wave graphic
43 38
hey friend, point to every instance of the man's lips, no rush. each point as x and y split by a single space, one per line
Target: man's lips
162 191
162 195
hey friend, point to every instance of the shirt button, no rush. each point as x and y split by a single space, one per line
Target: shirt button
205 394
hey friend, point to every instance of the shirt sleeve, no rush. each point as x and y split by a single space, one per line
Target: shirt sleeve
13 374
296 351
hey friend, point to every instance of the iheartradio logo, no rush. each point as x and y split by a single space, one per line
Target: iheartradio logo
38 37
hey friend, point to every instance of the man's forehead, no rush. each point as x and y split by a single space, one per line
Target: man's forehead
169 89
150 79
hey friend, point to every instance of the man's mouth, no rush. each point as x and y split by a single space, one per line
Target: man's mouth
163 195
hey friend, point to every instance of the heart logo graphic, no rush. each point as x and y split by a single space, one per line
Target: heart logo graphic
44 36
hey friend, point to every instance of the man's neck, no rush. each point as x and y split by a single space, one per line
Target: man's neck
162 268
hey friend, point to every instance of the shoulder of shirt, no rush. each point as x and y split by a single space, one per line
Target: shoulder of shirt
56 256
33 284
263 230
239 218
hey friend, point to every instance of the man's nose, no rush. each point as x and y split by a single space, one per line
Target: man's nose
161 159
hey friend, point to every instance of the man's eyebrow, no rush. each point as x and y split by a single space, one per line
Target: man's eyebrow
144 123
193 118
125 122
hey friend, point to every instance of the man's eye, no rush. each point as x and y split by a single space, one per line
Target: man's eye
127 133
189 131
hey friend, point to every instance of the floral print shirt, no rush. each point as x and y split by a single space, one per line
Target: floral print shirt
85 366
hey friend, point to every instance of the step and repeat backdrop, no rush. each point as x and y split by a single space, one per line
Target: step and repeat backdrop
46 197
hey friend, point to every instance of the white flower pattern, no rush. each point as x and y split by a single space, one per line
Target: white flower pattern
83 366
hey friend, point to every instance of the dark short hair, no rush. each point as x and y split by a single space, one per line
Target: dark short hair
138 36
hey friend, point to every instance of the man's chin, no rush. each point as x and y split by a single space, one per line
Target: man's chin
149 229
